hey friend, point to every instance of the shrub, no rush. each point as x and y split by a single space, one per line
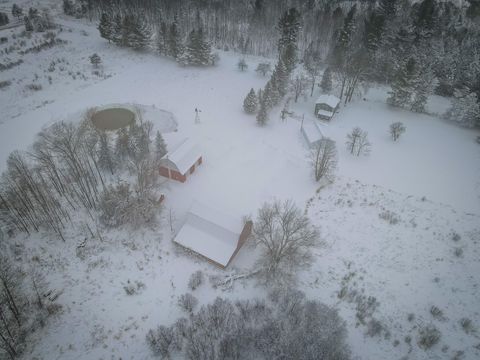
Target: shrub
428 336
196 279
397 129
389 216
467 325
187 302
436 313
34 87
4 84
133 288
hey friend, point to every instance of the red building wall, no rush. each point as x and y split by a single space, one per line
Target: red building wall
175 175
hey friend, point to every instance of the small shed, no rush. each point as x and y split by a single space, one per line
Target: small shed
181 162
213 234
326 106
311 133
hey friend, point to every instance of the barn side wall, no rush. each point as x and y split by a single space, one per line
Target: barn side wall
247 230
172 174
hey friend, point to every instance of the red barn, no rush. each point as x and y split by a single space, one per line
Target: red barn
181 162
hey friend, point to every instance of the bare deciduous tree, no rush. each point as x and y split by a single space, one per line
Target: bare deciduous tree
299 85
324 159
357 142
397 129
286 238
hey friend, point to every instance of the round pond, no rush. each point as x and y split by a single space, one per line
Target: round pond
113 118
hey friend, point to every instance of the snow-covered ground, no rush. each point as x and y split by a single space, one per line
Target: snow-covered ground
429 181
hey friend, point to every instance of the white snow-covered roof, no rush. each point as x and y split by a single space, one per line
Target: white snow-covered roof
311 132
184 155
330 100
211 233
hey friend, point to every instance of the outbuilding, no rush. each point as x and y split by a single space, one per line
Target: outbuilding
213 234
181 162
326 106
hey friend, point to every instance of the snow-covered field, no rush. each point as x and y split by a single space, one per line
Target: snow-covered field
429 182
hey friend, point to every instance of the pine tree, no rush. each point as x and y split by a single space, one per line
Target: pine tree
139 35
197 50
160 146
95 60
262 116
162 39
326 83
250 103
403 85
422 89
117 30
465 108
387 8
28 24
105 27
175 47
289 26
204 49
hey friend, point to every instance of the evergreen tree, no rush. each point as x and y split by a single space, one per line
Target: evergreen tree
289 26
280 77
95 60
326 83
250 103
117 30
28 24
403 85
175 46
387 8
262 116
205 49
105 27
426 15
17 11
139 34
160 146
162 39
422 89
197 50
465 109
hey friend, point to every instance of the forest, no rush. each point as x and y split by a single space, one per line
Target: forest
419 48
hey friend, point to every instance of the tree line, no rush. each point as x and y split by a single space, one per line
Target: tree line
385 41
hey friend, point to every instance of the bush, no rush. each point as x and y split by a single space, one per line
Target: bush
196 279
133 288
397 129
428 336
390 217
436 313
34 87
4 84
187 302
467 325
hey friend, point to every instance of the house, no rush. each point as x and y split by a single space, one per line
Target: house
326 106
213 234
181 162
311 133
